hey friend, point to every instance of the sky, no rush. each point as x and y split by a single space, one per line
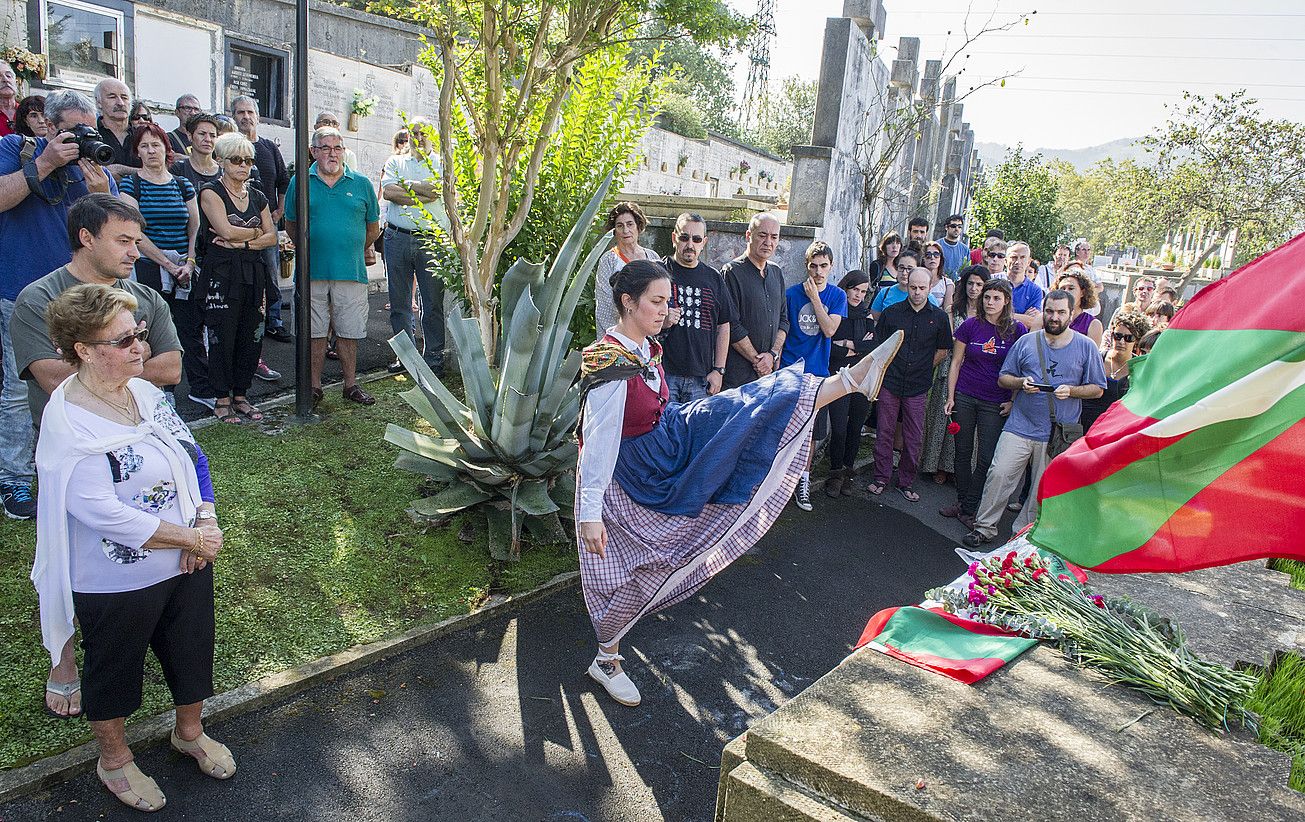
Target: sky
1083 77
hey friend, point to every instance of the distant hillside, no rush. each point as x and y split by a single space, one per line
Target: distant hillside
1124 149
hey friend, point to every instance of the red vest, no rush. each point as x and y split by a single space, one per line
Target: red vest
643 406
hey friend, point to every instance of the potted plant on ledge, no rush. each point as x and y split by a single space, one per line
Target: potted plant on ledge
361 106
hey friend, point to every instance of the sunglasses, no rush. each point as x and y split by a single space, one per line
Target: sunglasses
1120 337
932 254
123 342
999 255
697 238
240 161
953 225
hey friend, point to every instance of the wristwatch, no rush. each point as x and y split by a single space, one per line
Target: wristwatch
199 515
719 370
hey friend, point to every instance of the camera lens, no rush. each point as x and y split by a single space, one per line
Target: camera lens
97 151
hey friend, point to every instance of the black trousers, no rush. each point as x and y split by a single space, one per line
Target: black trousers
235 323
974 415
188 317
173 617
847 415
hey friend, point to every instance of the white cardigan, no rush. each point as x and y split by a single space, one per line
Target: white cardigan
58 451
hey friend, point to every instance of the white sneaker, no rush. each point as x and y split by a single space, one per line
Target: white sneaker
208 402
802 496
620 687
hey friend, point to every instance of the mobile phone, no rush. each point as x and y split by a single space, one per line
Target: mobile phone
1043 386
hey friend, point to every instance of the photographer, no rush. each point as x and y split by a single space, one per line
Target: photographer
39 181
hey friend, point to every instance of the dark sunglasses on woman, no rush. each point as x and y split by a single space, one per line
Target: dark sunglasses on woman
125 341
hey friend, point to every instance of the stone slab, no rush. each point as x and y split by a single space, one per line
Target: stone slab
1039 740
734 754
756 795
1243 614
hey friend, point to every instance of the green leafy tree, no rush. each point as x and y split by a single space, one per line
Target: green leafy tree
680 115
1106 203
702 79
505 68
1019 198
786 118
1220 167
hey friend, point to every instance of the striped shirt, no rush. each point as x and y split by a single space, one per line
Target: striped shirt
164 209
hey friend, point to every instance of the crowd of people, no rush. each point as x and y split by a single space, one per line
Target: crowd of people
998 349
130 256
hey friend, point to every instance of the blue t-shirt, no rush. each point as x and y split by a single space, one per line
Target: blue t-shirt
1026 295
893 295
955 257
167 218
805 340
1078 363
34 234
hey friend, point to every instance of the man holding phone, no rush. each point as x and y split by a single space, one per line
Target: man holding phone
1058 361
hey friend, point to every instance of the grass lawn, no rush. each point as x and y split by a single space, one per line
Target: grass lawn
319 555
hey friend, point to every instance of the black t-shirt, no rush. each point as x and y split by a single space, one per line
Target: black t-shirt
120 153
689 348
272 175
183 168
927 332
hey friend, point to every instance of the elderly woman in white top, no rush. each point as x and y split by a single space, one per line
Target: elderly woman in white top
126 534
626 222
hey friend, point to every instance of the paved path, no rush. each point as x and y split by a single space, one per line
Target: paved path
500 723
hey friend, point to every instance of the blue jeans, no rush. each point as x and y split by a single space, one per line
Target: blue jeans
17 436
406 259
686 389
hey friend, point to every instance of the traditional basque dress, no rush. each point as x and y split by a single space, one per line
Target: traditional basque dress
683 489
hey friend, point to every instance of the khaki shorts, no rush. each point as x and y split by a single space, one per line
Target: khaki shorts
341 304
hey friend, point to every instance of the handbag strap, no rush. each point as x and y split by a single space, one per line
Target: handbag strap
1042 361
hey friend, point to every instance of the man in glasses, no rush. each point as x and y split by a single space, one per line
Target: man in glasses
977 255
179 138
344 221
956 254
328 119
697 338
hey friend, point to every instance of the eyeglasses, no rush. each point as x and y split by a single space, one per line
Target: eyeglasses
141 118
999 255
329 124
1120 337
124 342
932 254
697 238
189 108
329 149
240 161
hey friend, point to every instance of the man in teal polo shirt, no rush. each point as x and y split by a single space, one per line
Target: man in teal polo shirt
344 218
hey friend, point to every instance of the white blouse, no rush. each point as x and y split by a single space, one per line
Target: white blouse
604 416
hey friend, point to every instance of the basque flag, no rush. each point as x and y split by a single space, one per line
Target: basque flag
1202 463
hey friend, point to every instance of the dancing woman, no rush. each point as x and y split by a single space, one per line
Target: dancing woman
668 495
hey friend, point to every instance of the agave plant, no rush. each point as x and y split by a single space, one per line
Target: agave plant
507 448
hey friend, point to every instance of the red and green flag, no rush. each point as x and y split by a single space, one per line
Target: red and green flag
937 641
1202 463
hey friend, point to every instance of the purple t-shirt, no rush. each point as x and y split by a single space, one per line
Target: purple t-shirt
985 353
1082 323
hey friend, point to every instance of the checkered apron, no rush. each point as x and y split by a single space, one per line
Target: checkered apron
655 560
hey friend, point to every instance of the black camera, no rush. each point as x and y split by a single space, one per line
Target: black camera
90 144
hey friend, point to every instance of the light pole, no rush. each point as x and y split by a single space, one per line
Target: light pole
303 290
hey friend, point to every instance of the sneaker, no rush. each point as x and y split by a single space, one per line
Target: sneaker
802 496
17 499
618 685
208 402
280 334
395 367
265 373
1014 505
974 539
950 511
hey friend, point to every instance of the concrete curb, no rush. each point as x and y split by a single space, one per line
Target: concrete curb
270 689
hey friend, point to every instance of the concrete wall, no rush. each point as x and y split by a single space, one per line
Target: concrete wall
827 182
708 169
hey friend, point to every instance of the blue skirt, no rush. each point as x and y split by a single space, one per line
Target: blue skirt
713 450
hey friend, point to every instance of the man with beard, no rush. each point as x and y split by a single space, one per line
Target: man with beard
1074 370
697 337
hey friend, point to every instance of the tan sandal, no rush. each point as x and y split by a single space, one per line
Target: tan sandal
214 758
133 788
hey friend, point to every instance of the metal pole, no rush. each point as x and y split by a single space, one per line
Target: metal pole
303 295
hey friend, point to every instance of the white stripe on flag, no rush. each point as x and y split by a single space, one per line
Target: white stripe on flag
1250 396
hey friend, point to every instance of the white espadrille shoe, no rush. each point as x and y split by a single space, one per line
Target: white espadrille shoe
614 680
879 360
